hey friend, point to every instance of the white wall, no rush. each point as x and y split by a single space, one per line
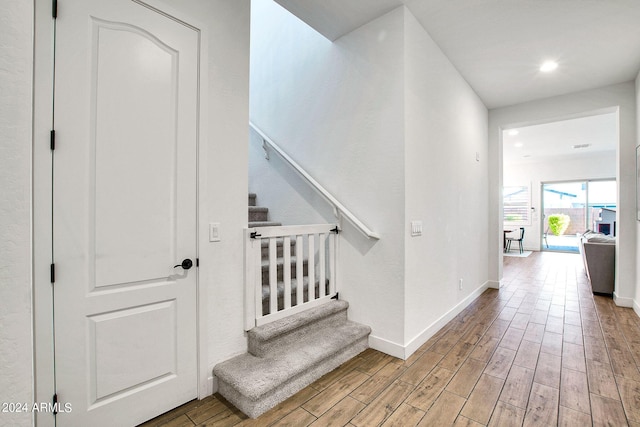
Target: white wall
446 188
337 109
295 202
636 304
599 166
16 71
385 122
621 98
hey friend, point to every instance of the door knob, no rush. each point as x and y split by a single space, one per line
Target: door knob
186 264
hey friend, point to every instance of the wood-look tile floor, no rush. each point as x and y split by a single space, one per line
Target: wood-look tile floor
541 351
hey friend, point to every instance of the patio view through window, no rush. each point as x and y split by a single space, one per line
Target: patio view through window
572 208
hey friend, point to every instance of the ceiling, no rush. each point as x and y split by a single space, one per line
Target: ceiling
555 140
499 45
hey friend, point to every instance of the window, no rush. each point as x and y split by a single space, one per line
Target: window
517 205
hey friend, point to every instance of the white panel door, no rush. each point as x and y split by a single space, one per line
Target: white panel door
124 210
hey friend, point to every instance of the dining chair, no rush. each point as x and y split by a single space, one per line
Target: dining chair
519 240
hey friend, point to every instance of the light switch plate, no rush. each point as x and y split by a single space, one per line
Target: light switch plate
214 232
416 228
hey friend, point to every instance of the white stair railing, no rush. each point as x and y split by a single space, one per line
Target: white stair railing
339 209
288 270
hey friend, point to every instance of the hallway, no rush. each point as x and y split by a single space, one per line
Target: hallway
541 351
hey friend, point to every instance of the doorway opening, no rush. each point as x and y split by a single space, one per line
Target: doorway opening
560 163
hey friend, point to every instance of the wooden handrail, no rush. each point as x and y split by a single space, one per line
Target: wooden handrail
338 207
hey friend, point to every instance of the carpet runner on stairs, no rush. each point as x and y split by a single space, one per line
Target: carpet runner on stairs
258 215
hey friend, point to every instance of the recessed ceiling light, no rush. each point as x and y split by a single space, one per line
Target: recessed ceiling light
518 145
513 132
548 66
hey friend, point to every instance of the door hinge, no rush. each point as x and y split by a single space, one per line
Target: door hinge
52 140
55 403
197 262
53 273
54 8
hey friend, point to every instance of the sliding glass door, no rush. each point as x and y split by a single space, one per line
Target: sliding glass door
571 208
564 214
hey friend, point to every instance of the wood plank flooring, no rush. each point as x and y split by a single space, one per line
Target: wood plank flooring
541 351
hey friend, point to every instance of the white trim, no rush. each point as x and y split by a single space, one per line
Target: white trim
337 206
492 284
41 209
636 307
404 352
431 330
212 383
622 302
291 230
387 347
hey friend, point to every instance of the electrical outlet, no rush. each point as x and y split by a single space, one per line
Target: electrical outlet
460 285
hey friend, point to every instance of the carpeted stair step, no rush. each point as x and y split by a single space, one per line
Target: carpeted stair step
273 337
309 345
258 213
252 199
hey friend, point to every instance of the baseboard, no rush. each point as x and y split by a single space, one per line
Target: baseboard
636 307
212 384
494 284
387 347
431 330
623 302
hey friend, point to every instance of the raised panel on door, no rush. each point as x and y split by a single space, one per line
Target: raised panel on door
124 212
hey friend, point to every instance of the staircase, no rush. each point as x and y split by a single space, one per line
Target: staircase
258 215
288 354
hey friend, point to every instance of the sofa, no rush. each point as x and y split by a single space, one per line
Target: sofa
599 257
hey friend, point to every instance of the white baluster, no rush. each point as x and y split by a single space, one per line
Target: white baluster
311 267
322 267
286 253
299 271
273 276
332 263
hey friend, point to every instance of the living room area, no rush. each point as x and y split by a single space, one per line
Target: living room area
560 182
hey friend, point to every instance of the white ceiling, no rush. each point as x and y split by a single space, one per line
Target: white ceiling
555 140
498 45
